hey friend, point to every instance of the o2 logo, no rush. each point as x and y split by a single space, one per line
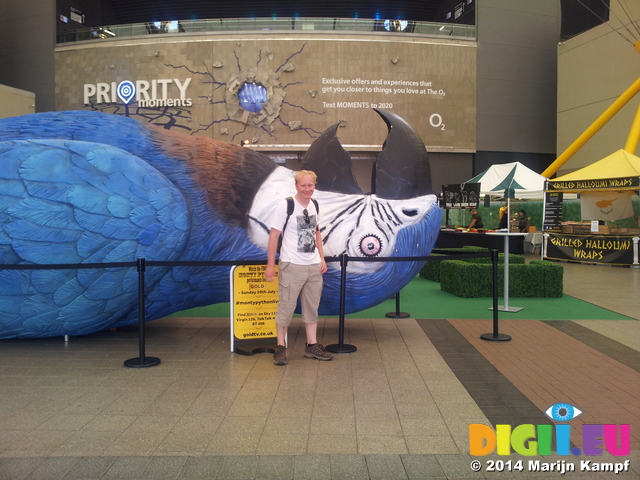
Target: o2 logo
435 120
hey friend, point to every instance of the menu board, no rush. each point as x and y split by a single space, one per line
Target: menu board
552 212
461 195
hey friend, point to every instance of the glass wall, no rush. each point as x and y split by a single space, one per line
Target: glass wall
267 24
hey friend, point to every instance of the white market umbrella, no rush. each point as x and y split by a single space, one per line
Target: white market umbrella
510 180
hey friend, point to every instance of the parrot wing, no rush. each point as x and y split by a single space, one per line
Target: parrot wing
71 202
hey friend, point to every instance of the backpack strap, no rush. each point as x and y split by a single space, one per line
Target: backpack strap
315 202
290 207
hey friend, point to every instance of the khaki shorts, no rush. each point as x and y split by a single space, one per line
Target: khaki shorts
304 281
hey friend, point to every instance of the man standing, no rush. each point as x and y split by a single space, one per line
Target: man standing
523 221
301 266
504 217
476 219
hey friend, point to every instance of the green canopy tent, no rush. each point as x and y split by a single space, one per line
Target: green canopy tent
510 180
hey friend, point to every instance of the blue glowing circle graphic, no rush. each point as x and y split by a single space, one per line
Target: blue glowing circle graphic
126 91
252 97
562 412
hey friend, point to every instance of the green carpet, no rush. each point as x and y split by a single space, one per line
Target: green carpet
423 299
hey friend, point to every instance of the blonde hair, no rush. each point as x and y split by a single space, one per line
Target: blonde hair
302 173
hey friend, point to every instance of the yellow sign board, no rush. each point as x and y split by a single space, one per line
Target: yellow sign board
254 303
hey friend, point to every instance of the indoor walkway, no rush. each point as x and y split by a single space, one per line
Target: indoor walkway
398 408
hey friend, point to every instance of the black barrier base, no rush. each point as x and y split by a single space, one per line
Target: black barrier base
336 348
500 337
249 350
398 315
142 363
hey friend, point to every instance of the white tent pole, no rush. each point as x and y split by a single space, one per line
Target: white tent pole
544 216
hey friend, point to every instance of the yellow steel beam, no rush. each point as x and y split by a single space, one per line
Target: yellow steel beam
593 129
634 134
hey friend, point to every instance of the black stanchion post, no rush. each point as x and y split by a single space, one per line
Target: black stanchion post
341 347
397 313
495 336
141 361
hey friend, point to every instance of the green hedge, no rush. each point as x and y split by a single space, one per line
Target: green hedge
553 278
540 278
431 269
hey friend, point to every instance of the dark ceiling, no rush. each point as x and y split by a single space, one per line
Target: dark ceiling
577 15
136 11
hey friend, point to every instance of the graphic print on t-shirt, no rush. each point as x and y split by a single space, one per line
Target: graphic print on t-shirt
306 233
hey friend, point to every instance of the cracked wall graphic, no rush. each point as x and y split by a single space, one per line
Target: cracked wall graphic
263 81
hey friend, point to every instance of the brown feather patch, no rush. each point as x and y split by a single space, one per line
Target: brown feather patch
229 174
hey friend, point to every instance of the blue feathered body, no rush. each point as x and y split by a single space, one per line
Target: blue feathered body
82 200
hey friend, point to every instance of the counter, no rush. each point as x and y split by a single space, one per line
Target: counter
453 239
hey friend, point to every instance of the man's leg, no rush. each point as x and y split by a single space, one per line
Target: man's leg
291 281
289 286
310 330
309 300
281 332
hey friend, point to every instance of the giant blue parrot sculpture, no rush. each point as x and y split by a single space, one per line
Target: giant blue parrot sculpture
81 187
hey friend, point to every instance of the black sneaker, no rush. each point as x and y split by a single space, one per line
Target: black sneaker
280 355
317 351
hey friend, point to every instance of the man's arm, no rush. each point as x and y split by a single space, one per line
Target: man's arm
323 264
272 247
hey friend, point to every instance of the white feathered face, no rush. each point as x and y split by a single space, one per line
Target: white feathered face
365 225
358 225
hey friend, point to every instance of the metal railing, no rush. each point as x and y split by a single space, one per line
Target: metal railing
143 361
231 25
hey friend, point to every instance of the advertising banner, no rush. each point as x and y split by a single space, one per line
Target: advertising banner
280 90
254 303
591 249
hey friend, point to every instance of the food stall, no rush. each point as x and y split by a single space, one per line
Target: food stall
466 197
607 189
502 181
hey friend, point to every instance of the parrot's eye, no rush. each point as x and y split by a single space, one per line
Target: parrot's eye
370 245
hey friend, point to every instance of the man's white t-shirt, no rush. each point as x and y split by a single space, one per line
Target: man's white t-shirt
299 238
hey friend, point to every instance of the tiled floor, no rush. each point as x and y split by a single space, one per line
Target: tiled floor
398 408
